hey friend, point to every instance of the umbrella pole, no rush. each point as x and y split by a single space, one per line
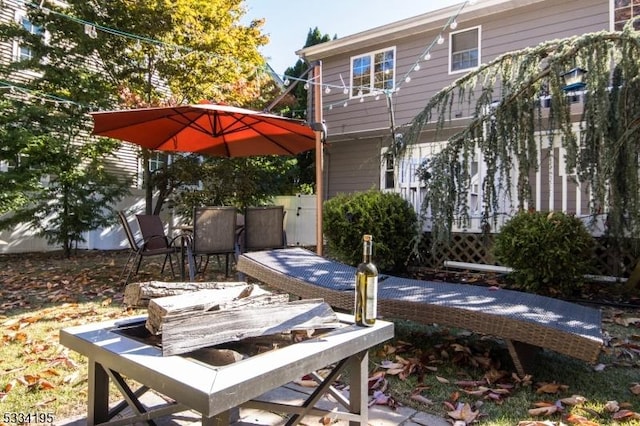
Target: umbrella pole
317 104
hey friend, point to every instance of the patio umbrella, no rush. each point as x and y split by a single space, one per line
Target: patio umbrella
208 129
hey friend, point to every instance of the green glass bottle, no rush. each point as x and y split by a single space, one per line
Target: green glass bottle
366 299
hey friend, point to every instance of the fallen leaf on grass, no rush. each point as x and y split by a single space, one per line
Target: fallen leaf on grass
421 399
626 415
574 400
46 402
551 388
546 410
442 380
626 322
612 406
635 388
464 412
579 420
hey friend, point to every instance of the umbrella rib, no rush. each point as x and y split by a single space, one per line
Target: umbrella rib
220 131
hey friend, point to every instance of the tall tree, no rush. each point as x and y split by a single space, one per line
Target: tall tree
298 109
109 54
603 154
55 184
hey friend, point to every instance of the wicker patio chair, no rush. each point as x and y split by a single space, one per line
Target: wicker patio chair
214 233
524 321
263 229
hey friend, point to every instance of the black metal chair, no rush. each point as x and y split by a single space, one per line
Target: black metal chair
154 242
214 233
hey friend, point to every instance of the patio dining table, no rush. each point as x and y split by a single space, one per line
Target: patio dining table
114 352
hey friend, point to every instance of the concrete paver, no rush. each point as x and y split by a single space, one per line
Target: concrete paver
289 394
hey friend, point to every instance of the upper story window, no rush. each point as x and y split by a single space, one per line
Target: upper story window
464 50
372 72
625 10
22 52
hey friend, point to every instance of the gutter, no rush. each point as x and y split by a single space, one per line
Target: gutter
426 22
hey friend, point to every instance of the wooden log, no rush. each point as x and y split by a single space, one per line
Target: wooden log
207 300
139 294
187 332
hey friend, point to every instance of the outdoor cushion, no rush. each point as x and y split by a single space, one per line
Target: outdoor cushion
524 320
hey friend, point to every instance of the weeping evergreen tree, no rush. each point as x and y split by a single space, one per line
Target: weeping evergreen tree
509 133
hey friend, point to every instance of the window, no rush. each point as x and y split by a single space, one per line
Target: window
389 179
372 72
625 10
21 52
157 160
464 49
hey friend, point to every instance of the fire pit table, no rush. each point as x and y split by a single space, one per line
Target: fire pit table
114 353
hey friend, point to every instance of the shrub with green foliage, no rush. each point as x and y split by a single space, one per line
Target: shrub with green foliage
389 218
549 251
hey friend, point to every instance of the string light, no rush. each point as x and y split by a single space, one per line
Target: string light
22 93
91 29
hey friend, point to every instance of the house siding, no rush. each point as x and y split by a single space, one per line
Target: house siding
352 166
125 164
505 29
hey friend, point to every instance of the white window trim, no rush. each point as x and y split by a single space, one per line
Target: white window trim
612 15
451 34
15 50
371 54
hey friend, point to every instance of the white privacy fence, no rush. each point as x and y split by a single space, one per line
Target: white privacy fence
300 225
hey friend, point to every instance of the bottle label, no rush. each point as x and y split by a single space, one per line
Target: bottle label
371 310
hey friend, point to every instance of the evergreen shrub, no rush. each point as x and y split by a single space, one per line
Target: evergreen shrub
549 251
389 218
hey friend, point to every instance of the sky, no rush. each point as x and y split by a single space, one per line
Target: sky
287 23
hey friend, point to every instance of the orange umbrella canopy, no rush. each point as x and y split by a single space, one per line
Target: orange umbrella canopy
208 129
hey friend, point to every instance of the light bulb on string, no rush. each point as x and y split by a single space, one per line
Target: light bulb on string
440 39
407 79
427 56
330 107
345 104
327 90
361 99
360 92
453 25
417 67
287 82
345 91
306 86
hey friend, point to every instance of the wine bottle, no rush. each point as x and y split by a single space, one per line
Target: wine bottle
365 306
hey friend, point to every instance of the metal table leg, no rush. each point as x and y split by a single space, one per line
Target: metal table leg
98 404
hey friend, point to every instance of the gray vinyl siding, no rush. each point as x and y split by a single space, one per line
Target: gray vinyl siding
500 33
505 29
352 166
125 164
